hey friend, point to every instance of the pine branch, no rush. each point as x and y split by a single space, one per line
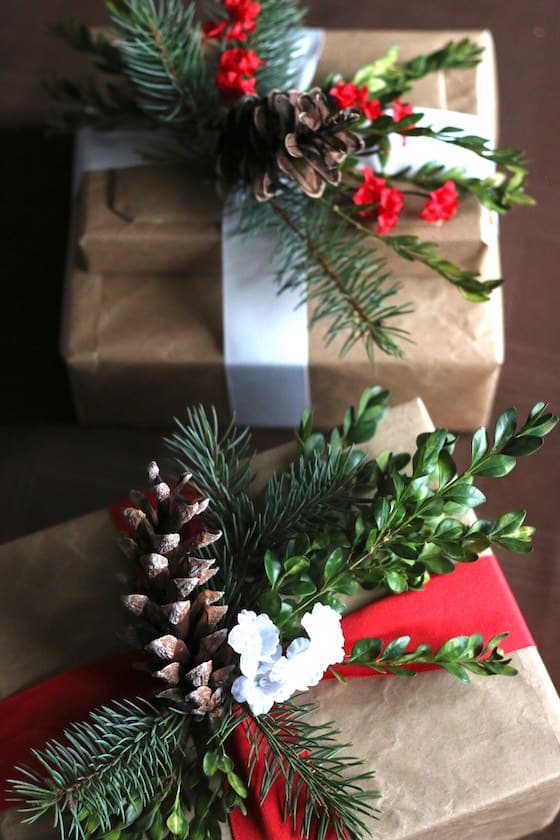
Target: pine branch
161 52
79 37
122 757
332 268
411 248
307 497
275 40
308 758
221 467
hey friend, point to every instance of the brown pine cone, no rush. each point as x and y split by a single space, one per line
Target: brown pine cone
180 616
297 134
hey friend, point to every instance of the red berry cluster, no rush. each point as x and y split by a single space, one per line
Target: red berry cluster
349 95
239 24
236 72
386 202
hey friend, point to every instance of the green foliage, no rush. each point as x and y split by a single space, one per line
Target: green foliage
387 79
113 765
458 656
275 40
161 50
332 267
498 193
358 426
403 528
308 757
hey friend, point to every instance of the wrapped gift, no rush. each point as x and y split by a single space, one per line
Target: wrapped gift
147 317
479 762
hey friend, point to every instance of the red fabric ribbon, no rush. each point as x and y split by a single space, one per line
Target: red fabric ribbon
475 598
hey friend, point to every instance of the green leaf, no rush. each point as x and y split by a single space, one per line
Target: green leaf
296 565
456 671
465 494
439 565
495 466
453 649
407 552
523 446
238 785
157 828
177 822
270 603
368 648
479 445
272 567
396 581
396 648
211 763
302 588
505 427
334 565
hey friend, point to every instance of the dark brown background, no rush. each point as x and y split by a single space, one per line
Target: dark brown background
51 470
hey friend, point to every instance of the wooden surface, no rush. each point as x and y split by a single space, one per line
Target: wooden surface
50 469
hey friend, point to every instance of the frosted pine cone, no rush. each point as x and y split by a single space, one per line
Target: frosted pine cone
180 616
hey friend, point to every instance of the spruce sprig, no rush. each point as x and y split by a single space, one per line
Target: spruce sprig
111 766
333 269
308 758
161 51
275 40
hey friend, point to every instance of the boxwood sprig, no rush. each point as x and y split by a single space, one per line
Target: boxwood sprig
400 529
458 656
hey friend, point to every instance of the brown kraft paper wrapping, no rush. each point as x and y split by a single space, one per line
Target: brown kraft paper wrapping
141 341
139 348
477 762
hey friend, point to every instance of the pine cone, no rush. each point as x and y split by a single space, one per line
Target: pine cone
180 617
297 134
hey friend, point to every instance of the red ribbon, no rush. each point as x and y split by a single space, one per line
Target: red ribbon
475 598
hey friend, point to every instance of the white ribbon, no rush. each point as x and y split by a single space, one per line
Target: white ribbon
266 348
266 345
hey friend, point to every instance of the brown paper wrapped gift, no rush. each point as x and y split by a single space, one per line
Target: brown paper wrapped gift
142 327
477 762
156 221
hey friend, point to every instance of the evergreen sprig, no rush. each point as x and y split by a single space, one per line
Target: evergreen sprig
458 656
333 269
112 765
387 79
276 40
308 758
161 50
410 527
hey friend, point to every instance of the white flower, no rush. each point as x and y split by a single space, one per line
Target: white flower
256 639
268 677
322 625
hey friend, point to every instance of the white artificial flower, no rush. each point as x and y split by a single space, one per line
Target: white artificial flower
268 677
256 639
262 689
322 625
